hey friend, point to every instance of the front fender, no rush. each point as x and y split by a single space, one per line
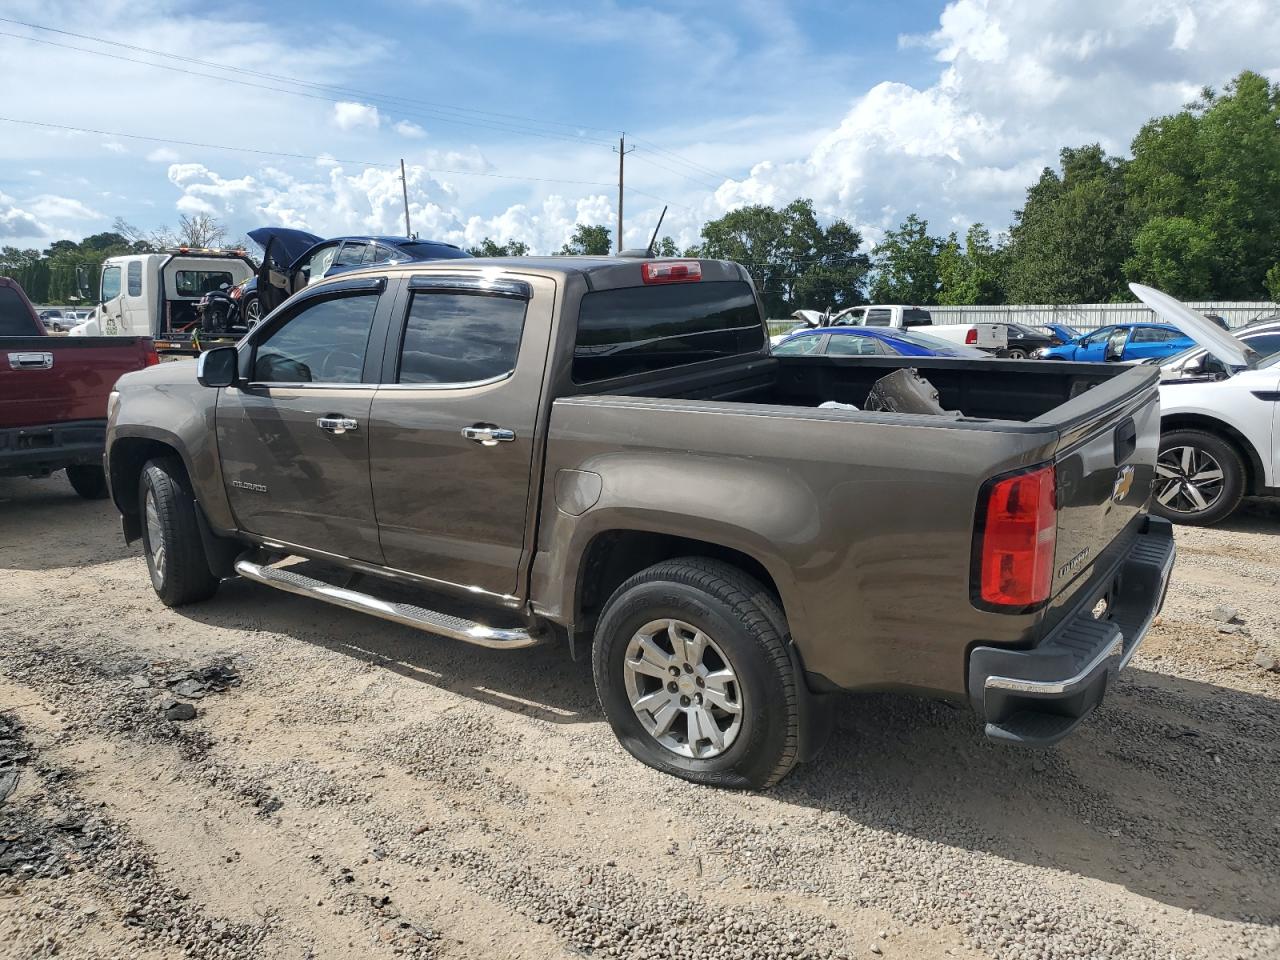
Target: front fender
168 406
756 508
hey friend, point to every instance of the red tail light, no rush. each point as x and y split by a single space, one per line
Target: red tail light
971 336
151 358
1018 533
671 271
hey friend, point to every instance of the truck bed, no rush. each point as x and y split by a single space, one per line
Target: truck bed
876 506
47 380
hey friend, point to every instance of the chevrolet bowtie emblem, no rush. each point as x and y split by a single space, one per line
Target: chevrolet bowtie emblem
1124 481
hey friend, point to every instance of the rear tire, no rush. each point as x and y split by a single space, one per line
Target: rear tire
741 661
1193 468
1015 353
171 535
89 481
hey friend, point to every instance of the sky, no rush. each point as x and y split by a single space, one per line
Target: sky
508 114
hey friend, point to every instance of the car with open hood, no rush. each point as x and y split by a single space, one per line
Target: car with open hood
1220 436
292 259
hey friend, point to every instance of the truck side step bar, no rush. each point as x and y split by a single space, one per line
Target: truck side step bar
430 621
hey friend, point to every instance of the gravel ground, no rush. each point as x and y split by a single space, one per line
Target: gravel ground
348 788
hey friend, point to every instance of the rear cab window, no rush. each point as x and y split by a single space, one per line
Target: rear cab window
634 330
15 316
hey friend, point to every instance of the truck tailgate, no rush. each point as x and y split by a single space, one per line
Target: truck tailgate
1105 465
48 380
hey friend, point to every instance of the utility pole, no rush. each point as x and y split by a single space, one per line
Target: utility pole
622 153
404 189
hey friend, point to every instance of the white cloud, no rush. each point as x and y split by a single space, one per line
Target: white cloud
407 128
1016 83
114 146
51 207
163 155
352 116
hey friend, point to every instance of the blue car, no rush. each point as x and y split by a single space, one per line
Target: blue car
1122 342
296 258
871 341
1061 331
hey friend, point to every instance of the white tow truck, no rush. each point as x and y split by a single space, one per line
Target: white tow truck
156 294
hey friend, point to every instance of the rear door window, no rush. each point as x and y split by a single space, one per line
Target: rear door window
456 338
848 345
642 329
879 318
353 253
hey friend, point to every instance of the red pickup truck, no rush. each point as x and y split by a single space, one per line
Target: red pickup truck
53 394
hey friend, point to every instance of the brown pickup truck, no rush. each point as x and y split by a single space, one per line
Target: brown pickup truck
53 395
603 450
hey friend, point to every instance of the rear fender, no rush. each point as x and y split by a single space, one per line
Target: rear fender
754 508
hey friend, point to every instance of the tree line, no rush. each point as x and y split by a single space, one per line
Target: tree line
1195 210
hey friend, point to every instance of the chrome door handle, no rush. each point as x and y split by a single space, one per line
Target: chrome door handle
488 436
337 425
31 361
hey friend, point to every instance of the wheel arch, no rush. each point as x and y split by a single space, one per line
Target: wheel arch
125 460
1255 472
613 555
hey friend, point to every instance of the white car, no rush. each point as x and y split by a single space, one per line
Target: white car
1220 436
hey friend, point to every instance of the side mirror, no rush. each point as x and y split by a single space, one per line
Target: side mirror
82 281
219 367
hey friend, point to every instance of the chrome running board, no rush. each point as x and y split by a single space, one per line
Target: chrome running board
431 621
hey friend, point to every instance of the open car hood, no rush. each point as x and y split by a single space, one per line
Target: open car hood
810 318
1218 342
290 243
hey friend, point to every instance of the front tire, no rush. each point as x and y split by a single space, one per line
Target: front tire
1200 478
1015 353
88 480
695 676
171 535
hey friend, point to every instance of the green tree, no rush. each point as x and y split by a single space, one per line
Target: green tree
906 265
795 261
1205 182
588 240
491 248
973 274
666 247
1273 282
1069 242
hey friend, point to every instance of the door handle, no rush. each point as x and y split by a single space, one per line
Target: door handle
31 361
488 436
337 425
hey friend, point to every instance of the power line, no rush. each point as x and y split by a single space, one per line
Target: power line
297 80
690 177
301 156
389 98
684 160
495 125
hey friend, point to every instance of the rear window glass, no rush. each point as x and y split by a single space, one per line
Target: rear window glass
432 251
196 283
915 317
15 318
641 329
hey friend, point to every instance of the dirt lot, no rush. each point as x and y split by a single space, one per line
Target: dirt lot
366 791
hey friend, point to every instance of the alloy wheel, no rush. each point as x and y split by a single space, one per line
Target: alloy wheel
1188 479
252 312
683 689
155 536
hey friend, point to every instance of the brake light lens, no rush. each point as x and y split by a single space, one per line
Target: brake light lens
971 337
671 271
1019 535
151 358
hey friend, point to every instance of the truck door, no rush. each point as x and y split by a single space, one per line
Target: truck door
294 442
452 429
110 296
